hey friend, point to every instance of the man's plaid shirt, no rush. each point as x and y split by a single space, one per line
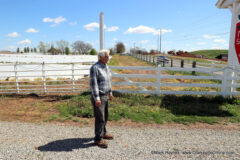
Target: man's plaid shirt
100 80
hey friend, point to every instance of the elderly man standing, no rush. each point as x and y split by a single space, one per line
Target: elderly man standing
100 84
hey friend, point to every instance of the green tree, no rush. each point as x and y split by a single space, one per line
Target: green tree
120 47
67 50
53 50
93 52
18 50
35 50
28 49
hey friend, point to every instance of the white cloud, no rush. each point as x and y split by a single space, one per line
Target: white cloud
46 20
32 30
157 32
140 30
26 41
201 43
92 26
209 36
59 19
223 41
13 35
143 41
112 29
145 29
73 23
55 21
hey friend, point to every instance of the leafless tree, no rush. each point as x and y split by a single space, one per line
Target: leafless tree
61 45
81 47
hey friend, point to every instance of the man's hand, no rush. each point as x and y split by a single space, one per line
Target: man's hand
98 103
111 97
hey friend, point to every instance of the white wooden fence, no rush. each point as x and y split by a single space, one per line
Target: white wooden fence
225 84
176 62
73 77
43 77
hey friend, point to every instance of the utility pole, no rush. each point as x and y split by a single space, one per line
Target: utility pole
157 42
160 40
101 31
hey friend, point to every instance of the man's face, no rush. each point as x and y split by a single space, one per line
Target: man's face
104 59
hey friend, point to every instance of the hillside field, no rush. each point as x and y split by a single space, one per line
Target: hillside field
210 53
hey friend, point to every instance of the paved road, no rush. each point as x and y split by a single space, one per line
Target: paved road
51 141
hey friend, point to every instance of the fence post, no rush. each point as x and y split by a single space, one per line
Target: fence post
16 77
164 63
44 78
193 66
171 62
182 63
159 79
233 81
225 82
73 78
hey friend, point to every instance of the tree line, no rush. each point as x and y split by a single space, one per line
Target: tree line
62 48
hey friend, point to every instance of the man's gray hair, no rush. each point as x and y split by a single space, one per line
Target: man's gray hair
103 52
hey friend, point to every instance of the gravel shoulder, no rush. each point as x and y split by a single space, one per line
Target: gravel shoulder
20 140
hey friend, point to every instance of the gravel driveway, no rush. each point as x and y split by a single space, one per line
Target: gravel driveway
51 141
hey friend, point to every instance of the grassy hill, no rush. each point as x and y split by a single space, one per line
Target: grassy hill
210 53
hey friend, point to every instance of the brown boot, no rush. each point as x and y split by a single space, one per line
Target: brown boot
108 136
101 144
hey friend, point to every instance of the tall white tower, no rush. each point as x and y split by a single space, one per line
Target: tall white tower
101 31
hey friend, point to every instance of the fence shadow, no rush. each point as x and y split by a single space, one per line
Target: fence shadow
50 98
196 106
67 145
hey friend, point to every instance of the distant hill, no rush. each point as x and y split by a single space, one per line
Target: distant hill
6 52
210 53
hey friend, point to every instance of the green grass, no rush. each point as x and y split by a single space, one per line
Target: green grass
210 53
157 109
188 73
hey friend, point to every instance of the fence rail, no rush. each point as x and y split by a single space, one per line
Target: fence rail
73 77
176 62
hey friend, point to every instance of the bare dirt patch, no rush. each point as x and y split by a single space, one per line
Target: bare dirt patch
27 107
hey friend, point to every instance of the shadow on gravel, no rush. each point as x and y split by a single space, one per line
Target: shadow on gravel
67 145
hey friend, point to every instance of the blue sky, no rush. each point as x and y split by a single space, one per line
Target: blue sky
186 24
